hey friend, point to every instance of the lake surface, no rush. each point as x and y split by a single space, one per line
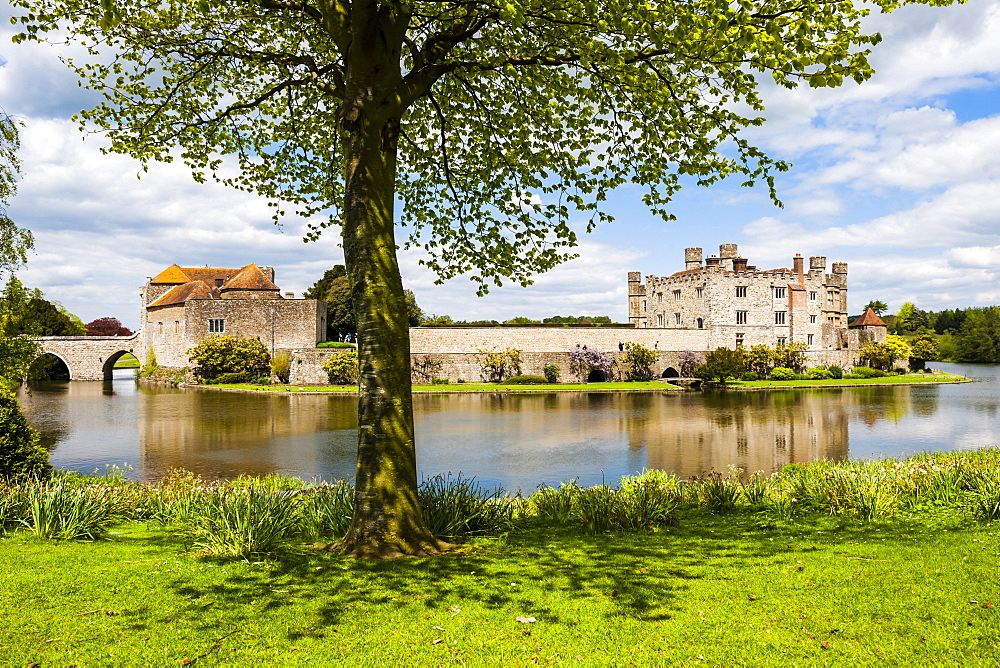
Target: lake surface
517 441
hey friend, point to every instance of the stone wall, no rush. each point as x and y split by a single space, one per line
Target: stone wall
89 357
439 340
281 324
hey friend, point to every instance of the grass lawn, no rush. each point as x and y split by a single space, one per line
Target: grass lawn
651 386
905 379
714 590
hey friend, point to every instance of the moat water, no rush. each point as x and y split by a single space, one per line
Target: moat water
517 441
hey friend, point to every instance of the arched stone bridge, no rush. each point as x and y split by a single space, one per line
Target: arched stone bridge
90 357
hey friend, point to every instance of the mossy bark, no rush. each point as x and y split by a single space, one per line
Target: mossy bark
387 519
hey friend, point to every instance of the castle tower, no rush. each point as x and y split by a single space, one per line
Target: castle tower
636 297
692 258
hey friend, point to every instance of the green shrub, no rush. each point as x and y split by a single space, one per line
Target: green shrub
495 365
526 379
439 381
21 455
342 368
219 354
750 376
637 359
551 372
281 367
866 372
836 372
819 373
236 378
335 344
782 373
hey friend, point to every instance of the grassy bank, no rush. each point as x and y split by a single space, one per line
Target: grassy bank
861 562
650 386
937 377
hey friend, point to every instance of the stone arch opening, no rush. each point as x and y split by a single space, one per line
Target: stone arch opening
49 366
670 372
597 376
108 367
701 323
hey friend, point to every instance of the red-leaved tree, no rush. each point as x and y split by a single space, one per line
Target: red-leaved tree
107 327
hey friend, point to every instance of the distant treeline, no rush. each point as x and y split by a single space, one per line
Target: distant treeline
974 332
445 320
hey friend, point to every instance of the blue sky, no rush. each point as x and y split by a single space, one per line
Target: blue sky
898 177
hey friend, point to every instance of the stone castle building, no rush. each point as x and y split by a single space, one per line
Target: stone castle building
183 305
736 304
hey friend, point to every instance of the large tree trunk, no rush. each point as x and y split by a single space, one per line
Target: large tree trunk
387 519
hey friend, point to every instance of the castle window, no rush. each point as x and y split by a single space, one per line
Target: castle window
812 320
643 305
677 318
159 328
216 325
177 326
677 295
779 317
659 296
701 323
779 293
830 297
659 320
812 295
809 339
739 339
700 293
782 340
741 317
741 291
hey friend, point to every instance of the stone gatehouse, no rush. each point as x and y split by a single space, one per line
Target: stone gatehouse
183 305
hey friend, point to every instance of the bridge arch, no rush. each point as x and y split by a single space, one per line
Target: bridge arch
90 357
670 372
40 359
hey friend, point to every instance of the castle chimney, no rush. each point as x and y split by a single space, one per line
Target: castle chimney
712 262
289 295
727 253
692 258
797 262
739 264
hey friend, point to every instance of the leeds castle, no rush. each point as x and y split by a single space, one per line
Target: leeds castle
713 302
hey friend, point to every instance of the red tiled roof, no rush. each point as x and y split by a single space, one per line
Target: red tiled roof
869 319
182 293
250 277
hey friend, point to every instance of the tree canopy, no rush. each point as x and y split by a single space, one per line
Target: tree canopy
15 242
493 124
107 326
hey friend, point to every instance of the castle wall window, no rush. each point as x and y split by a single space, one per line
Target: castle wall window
812 295
699 293
216 325
779 293
177 326
643 305
677 295
779 317
812 320
830 297
659 296
741 317
677 318
659 320
739 339
809 339
782 340
741 291
701 323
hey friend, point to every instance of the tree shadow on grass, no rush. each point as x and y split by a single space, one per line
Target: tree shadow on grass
543 573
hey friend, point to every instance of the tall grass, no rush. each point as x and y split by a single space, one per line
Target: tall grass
58 510
454 507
